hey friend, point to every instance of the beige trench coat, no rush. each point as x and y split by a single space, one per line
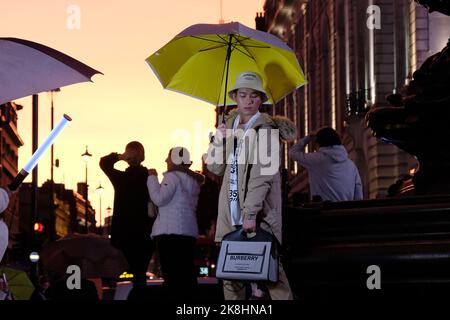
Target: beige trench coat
259 192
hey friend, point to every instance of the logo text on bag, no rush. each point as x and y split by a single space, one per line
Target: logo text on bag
243 257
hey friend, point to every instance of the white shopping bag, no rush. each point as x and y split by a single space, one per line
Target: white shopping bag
252 259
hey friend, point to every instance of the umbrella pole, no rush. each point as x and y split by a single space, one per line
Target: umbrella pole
227 60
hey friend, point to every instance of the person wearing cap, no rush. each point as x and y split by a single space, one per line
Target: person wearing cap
4 233
175 230
131 225
250 195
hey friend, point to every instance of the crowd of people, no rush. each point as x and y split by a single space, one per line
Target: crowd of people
152 216
248 197
250 194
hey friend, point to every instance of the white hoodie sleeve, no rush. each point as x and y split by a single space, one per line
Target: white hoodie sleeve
161 194
4 200
358 188
307 160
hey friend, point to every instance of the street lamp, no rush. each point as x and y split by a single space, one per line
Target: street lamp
100 190
34 258
108 212
86 156
51 125
52 161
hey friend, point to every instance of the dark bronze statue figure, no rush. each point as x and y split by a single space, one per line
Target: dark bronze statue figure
418 120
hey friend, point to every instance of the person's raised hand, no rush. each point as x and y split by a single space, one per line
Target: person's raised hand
152 172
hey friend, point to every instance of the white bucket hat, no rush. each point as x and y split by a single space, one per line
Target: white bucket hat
250 80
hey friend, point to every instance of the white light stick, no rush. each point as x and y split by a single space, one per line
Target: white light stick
39 153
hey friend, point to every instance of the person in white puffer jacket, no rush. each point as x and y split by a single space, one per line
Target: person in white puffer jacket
175 230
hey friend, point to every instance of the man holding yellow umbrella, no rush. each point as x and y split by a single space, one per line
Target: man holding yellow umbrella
200 62
250 195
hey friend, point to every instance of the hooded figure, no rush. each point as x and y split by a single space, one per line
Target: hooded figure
249 161
332 175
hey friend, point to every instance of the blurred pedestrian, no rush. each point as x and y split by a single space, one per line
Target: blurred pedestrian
332 175
131 225
175 230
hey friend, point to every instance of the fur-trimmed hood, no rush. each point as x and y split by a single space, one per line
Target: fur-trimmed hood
288 131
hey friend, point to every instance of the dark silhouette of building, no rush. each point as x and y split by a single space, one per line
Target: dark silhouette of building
59 215
350 65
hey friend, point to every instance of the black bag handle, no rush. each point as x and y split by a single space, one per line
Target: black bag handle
240 235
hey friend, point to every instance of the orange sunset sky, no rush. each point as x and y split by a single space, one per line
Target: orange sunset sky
127 102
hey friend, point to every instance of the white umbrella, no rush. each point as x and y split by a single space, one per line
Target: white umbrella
28 67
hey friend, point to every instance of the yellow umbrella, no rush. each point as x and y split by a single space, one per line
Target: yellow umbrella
205 59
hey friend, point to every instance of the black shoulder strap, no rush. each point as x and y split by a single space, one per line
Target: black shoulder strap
247 177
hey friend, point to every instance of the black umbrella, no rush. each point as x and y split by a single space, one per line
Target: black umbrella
94 254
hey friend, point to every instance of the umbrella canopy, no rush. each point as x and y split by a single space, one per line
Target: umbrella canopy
28 67
19 283
94 254
204 60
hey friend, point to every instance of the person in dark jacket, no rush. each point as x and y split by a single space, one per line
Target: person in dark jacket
131 226
208 202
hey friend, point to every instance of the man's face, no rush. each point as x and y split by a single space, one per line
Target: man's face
442 6
248 101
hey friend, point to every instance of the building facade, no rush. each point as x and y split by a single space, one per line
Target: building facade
353 53
60 212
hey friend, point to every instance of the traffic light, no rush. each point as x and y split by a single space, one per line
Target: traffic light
38 227
38 236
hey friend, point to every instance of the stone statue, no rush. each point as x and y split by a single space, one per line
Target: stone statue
418 120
